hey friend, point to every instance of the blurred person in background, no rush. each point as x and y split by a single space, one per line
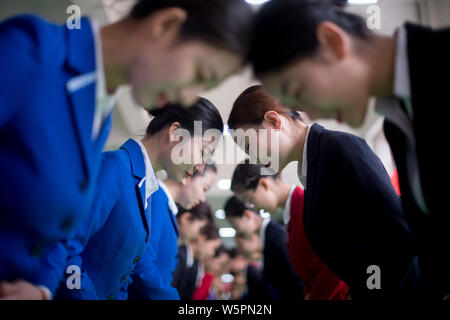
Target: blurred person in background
337 67
349 197
57 89
217 266
103 247
153 279
267 190
267 238
204 249
190 224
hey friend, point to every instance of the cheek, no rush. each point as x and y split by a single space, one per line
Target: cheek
198 191
317 86
182 67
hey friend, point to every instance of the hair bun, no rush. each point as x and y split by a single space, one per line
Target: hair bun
155 112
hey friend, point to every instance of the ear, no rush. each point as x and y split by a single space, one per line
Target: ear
185 181
248 214
165 23
185 218
264 183
274 119
174 126
335 43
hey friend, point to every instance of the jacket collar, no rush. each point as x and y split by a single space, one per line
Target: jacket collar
313 143
81 61
81 53
313 153
173 211
136 158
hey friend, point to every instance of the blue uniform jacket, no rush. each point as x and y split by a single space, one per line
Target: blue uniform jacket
115 235
152 278
48 160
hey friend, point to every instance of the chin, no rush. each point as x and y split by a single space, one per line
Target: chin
358 118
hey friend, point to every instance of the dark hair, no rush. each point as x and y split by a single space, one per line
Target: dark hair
247 176
234 252
203 110
226 24
200 212
210 231
251 106
285 30
220 250
234 208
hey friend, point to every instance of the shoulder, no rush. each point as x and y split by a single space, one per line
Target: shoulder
33 47
345 145
159 197
115 164
30 34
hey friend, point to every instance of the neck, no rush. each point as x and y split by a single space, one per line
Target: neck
381 55
295 152
153 148
283 193
116 52
174 188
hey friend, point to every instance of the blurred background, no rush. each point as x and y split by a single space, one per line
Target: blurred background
131 120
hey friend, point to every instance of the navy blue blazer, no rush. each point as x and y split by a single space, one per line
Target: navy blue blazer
185 277
153 275
353 217
113 238
49 162
278 269
429 66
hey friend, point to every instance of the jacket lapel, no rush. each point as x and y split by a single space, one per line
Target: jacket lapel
138 171
312 155
137 168
81 88
174 221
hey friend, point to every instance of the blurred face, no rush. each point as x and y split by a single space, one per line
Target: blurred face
247 224
238 264
194 189
190 229
205 249
165 67
217 265
263 197
250 246
334 82
322 90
